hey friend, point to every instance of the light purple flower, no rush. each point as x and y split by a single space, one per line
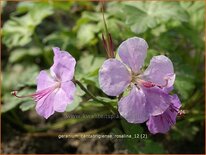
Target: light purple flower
148 94
55 92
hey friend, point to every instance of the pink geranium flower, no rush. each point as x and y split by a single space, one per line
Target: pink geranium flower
55 91
148 96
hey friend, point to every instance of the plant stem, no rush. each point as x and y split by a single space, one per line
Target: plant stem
86 91
93 97
105 25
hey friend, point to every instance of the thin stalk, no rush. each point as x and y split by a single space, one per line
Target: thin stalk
108 44
86 91
93 96
105 25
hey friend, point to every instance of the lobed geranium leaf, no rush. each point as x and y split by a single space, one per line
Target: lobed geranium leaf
10 102
86 34
20 53
27 105
17 76
88 67
147 15
17 31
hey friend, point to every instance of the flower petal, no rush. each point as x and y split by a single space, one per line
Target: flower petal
56 100
133 107
66 61
61 72
69 88
44 106
133 52
44 81
158 124
61 100
162 123
157 100
168 89
63 57
175 101
113 77
159 71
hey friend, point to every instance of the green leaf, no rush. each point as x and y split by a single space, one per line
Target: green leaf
18 75
146 15
77 99
10 102
184 86
88 68
196 11
89 63
20 53
18 30
27 105
108 100
184 82
61 38
95 17
86 34
64 5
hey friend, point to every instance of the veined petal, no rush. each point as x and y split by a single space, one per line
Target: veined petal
66 61
55 100
113 77
69 88
133 107
163 123
61 72
160 71
157 100
158 124
61 100
44 81
44 106
63 57
133 52
175 101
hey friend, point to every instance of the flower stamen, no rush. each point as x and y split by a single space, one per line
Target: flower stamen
39 94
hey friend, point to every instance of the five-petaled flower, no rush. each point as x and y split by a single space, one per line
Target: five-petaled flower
55 92
149 99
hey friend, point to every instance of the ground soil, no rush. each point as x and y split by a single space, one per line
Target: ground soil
15 140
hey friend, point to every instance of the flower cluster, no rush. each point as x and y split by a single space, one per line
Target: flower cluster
148 99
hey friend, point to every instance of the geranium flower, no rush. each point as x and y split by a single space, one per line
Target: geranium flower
55 92
148 94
